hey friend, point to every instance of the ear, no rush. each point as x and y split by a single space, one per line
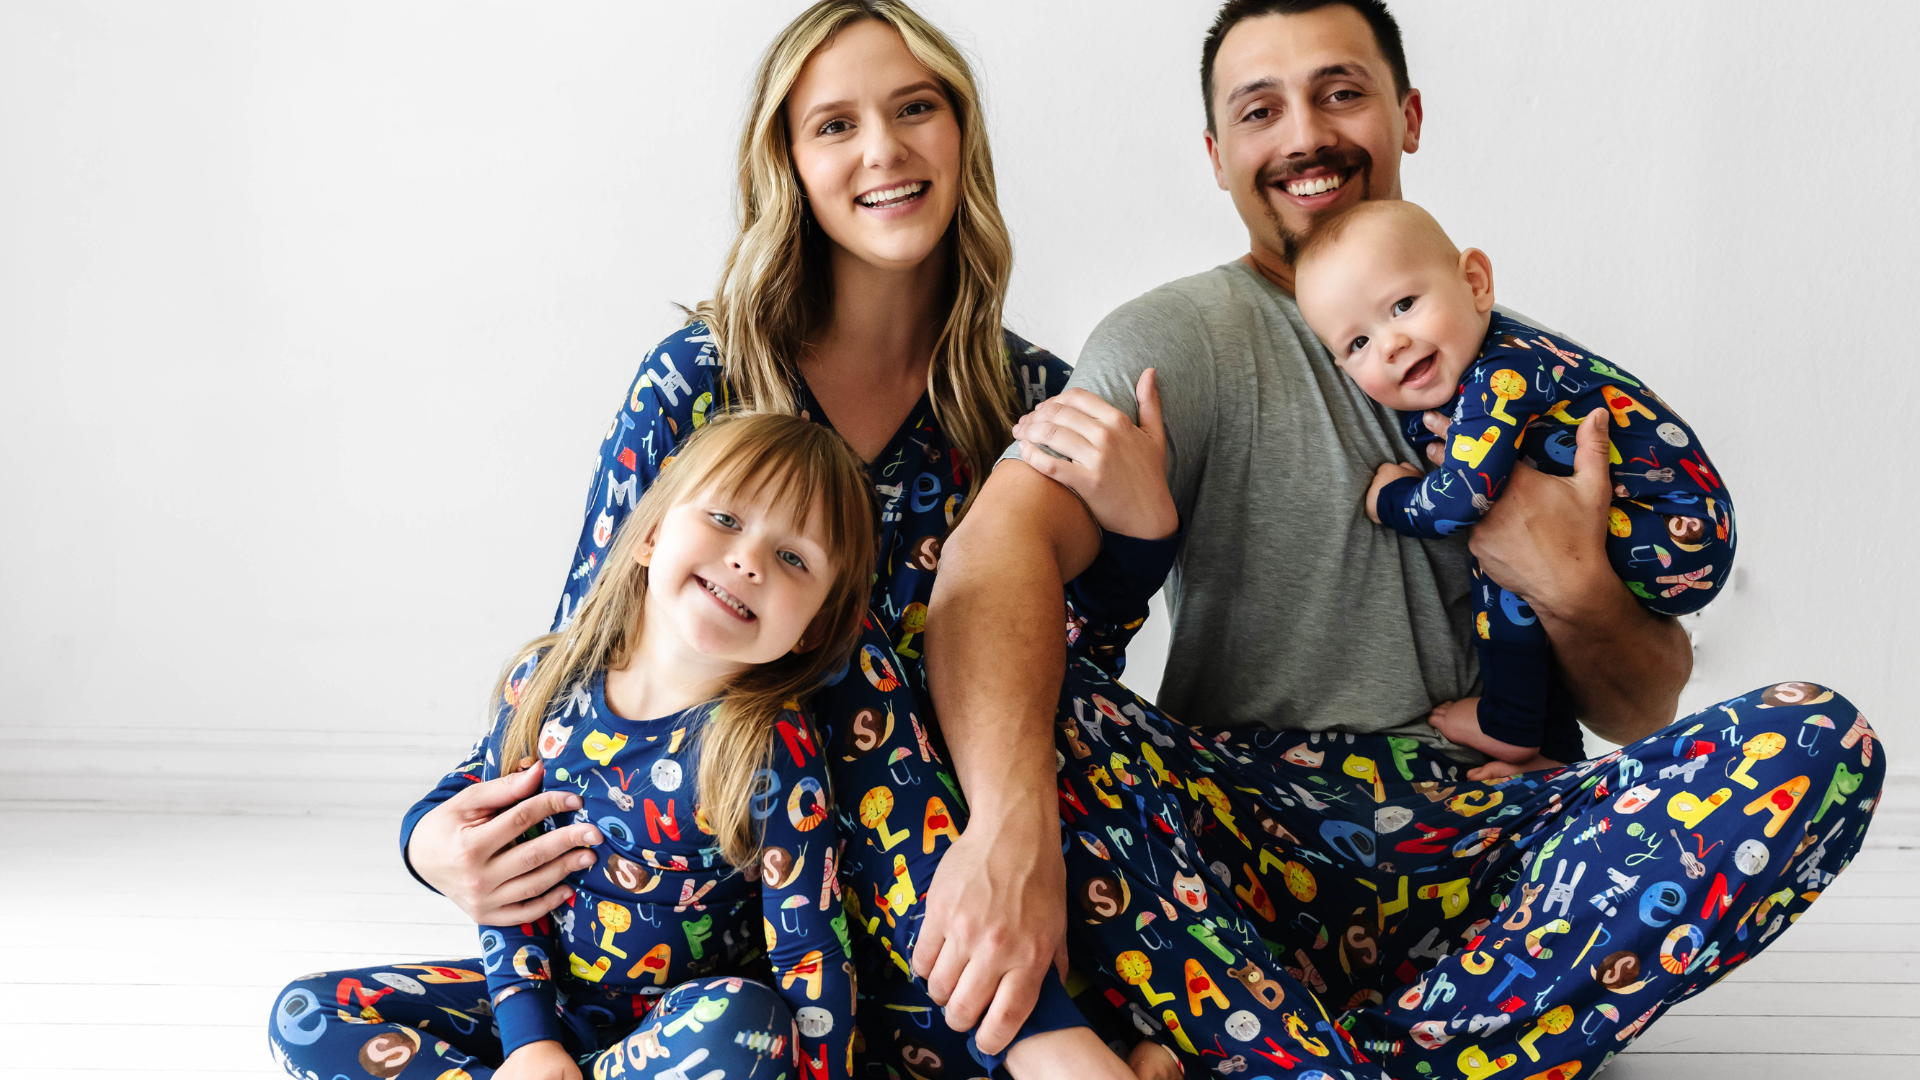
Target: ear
643 552
1477 271
1414 113
1213 155
815 636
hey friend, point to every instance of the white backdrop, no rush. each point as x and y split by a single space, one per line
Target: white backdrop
312 316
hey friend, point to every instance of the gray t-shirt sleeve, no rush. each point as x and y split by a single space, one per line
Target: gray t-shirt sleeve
1164 331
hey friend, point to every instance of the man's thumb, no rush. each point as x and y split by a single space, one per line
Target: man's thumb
1147 391
1591 450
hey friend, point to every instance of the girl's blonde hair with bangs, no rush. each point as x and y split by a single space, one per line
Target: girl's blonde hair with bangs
809 467
776 278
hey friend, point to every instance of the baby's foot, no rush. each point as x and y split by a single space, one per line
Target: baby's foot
1460 722
1152 1061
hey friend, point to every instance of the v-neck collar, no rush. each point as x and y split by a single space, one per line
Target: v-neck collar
918 419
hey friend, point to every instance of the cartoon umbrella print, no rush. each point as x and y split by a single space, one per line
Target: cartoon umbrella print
900 754
1154 941
789 904
1609 1012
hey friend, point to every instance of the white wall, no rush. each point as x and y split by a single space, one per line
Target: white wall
311 317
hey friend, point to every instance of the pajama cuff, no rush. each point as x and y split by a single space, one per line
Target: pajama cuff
1055 1011
529 1016
407 824
1393 498
1125 563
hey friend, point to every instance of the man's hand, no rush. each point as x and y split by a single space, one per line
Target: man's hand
543 1060
465 848
1119 470
1545 538
1382 476
995 923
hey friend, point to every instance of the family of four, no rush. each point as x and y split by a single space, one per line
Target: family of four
825 769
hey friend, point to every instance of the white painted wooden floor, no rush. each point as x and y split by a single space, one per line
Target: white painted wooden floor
150 942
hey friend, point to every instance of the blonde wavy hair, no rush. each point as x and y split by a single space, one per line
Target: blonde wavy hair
809 467
776 280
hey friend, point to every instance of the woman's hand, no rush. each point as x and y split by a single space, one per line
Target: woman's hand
543 1060
465 848
1382 476
1117 468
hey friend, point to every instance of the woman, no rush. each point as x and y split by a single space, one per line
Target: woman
864 291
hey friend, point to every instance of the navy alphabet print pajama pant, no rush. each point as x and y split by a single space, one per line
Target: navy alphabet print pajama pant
1278 904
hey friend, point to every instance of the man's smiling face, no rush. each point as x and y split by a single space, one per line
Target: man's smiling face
1306 121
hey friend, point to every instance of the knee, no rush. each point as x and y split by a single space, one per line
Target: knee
298 1017
726 1007
1816 720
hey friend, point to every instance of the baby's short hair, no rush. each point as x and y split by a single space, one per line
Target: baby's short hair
1409 219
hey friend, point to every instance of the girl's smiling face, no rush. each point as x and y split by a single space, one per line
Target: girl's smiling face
1404 314
877 147
736 579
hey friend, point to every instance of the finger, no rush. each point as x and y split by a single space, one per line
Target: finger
1018 992
1437 422
547 850
1590 451
1437 453
1060 960
971 996
1062 440
1095 427
488 795
945 971
929 945
1092 406
502 830
537 878
1147 391
527 911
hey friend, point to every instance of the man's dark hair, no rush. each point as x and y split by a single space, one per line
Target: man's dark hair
1386 33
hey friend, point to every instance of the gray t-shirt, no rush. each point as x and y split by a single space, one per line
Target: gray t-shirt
1290 609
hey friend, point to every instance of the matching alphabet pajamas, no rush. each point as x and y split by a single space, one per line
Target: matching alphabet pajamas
645 966
1670 534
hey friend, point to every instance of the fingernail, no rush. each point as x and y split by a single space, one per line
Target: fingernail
583 861
572 802
593 837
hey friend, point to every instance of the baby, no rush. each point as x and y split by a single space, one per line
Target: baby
1411 319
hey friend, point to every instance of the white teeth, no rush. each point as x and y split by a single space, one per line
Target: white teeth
1316 186
728 599
875 198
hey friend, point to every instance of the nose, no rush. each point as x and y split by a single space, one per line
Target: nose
1304 131
747 564
884 148
1396 344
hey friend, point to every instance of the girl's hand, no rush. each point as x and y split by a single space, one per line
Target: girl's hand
1384 475
465 848
544 1060
1117 468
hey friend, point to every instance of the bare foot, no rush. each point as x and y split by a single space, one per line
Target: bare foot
1500 770
1460 722
1152 1061
1068 1054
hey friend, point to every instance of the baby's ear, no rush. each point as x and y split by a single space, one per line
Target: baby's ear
1477 271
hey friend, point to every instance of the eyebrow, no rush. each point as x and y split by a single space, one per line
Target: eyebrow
905 91
1269 82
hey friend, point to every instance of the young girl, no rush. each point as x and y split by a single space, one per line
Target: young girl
736 587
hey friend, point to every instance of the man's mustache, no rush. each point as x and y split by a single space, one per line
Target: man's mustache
1339 159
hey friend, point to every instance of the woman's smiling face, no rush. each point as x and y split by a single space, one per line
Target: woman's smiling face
877 147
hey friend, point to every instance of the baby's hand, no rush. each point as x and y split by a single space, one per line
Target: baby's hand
1384 475
544 1060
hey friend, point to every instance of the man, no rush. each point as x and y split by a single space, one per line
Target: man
1281 591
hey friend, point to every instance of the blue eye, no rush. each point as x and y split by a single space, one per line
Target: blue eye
794 560
724 520
1356 345
1401 305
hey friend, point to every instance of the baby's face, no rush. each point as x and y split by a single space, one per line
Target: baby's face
1404 319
